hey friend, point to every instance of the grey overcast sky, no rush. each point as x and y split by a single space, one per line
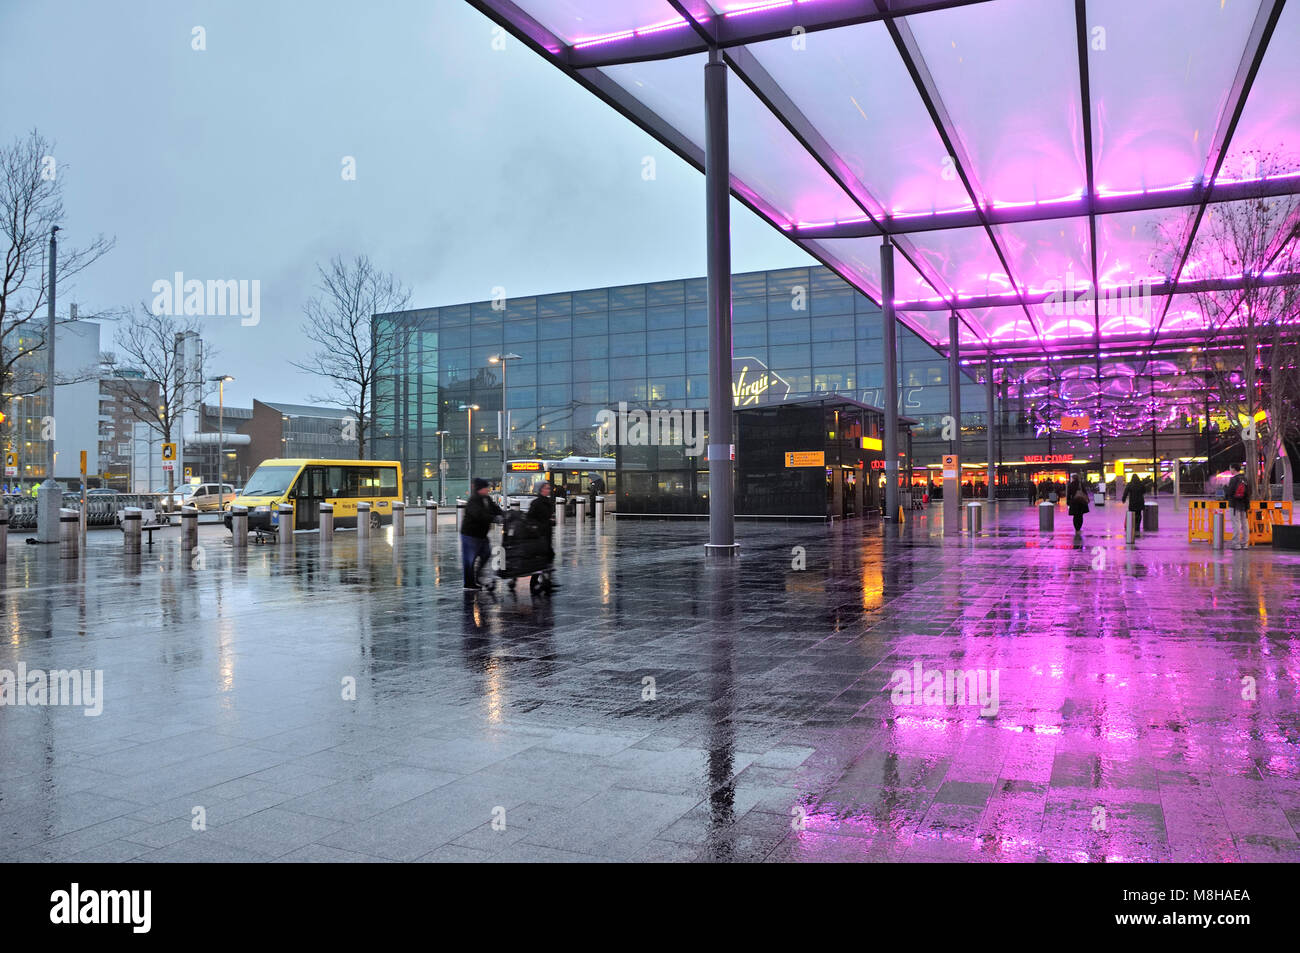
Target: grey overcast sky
474 167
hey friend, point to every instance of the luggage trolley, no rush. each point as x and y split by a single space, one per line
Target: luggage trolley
528 552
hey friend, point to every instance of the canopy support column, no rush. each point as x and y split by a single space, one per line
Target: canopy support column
717 190
988 427
890 330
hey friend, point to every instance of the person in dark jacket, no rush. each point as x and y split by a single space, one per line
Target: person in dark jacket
542 510
480 513
1238 495
1077 499
1135 493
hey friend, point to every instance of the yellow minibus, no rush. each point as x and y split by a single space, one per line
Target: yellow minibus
306 484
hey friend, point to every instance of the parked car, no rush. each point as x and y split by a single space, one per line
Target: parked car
211 497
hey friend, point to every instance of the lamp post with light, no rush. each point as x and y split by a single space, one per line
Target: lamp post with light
442 466
504 360
469 447
221 433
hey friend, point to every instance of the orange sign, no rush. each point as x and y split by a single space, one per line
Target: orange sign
805 458
1076 424
525 465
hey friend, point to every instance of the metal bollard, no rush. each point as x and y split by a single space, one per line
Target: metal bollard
399 518
1218 529
1130 526
284 531
561 508
430 518
460 514
600 509
1151 518
1046 516
4 534
326 523
974 518
363 521
239 527
132 519
580 507
69 534
189 528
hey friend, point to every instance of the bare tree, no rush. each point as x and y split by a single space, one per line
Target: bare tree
1242 261
145 345
350 356
31 204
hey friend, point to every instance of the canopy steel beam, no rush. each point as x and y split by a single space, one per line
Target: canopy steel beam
1270 11
701 29
928 90
1145 201
1165 287
771 95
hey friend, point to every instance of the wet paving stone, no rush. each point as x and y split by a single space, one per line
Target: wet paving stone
352 704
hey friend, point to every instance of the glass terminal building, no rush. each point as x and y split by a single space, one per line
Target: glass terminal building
797 333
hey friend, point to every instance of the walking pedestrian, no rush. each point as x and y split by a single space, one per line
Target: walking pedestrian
1077 499
480 513
1135 494
1238 495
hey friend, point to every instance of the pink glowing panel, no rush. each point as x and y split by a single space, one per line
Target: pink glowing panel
964 259
591 22
672 88
1184 314
852 86
1008 326
1133 247
861 257
1060 324
1271 120
1054 255
1159 86
1006 72
769 160
931 325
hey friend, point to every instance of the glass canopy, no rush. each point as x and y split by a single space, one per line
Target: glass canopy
1020 154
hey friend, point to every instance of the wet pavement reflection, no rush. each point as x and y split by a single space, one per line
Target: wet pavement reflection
842 693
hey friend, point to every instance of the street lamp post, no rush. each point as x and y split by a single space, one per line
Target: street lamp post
469 447
504 360
221 432
442 465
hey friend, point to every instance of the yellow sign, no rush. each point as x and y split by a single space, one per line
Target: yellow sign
169 451
83 463
11 464
1076 424
525 465
872 443
1119 469
189 473
950 466
805 458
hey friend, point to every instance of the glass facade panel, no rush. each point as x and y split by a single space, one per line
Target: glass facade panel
647 345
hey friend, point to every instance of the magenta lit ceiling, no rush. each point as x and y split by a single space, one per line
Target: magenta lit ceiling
1007 148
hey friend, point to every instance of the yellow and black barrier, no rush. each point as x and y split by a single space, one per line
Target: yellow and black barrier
1261 518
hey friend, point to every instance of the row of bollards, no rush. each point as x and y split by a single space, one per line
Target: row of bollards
133 523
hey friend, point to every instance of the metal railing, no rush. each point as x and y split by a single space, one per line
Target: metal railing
101 509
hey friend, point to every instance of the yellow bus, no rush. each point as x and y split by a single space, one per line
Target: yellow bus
306 484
